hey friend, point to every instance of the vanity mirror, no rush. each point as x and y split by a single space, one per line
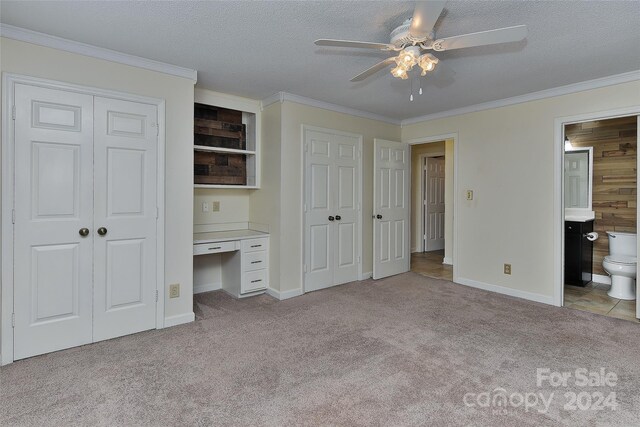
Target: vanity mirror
578 182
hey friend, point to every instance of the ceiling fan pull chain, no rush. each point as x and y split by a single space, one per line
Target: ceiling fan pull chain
411 97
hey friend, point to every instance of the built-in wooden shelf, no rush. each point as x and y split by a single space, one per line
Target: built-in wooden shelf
222 150
226 142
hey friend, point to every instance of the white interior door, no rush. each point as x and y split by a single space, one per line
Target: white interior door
53 202
434 204
125 218
332 192
391 208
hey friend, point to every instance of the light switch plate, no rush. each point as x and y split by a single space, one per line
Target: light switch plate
215 206
469 194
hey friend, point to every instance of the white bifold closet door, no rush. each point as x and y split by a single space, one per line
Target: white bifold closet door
331 201
82 163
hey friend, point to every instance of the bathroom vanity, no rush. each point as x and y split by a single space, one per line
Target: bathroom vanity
578 253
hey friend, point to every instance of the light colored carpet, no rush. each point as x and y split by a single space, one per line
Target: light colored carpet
399 351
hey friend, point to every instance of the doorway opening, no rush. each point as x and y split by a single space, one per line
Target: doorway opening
431 209
600 216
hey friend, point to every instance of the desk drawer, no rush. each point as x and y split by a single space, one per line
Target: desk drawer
253 245
255 261
215 248
254 280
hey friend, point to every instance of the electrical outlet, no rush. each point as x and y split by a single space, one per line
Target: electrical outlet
215 206
507 269
174 290
205 206
469 194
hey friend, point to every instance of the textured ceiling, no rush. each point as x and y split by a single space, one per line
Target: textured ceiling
256 49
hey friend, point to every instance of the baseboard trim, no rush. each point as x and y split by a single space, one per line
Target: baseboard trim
179 319
599 278
207 287
286 294
365 276
507 291
447 261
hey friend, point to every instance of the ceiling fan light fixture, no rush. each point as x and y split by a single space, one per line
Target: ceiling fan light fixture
409 56
427 62
400 72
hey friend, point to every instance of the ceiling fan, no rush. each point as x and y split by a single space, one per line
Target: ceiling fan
416 35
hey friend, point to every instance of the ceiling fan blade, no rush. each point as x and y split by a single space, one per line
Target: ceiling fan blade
349 43
379 66
424 17
482 38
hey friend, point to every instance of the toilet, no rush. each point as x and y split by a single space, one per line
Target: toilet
620 264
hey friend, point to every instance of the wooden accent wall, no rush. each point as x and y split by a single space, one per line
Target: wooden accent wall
614 143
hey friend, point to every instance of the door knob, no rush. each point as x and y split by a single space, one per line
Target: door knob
331 218
338 217
102 231
84 232
379 216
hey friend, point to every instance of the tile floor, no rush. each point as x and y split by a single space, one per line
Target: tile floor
430 264
594 298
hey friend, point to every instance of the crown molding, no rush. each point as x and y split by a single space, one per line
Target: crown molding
285 96
533 96
34 37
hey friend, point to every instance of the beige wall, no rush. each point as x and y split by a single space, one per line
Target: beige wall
264 205
294 115
31 60
234 206
506 155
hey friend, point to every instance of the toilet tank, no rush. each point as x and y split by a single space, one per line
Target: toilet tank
622 243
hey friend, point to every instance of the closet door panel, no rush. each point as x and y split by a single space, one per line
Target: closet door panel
125 217
346 190
53 202
319 237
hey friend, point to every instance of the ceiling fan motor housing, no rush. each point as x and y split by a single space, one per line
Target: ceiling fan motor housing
401 37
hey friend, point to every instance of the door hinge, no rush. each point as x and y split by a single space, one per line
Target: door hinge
358 260
13 112
305 207
157 130
13 216
157 212
13 320
305 268
156 295
306 146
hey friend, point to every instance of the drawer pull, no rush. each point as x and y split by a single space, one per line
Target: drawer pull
256 281
217 247
256 262
256 246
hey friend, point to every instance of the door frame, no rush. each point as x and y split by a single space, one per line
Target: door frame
303 153
558 189
423 186
437 138
9 81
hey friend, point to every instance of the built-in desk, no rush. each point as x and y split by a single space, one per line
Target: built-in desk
243 259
